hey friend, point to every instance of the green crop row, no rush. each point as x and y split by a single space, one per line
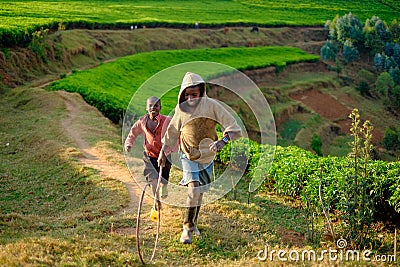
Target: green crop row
297 172
392 3
111 86
19 19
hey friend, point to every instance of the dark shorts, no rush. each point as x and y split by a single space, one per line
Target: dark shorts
151 168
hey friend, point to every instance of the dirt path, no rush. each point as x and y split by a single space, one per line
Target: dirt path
93 158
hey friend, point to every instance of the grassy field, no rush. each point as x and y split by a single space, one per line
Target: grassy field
19 17
56 212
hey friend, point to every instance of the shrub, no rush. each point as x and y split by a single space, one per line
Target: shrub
363 88
316 144
384 83
391 139
329 51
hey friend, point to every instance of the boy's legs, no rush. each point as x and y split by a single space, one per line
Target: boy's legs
191 212
164 174
150 172
195 176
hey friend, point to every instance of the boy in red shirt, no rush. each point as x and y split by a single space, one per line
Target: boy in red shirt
153 126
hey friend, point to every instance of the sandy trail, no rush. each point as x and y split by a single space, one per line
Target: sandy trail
93 158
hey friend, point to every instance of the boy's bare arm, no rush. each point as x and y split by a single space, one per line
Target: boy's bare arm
219 144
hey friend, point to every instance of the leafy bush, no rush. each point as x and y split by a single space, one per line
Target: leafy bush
384 83
391 140
350 53
329 51
296 172
316 144
363 88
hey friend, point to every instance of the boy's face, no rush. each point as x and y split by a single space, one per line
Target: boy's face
153 107
192 95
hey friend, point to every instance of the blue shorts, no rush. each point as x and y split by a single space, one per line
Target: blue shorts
196 172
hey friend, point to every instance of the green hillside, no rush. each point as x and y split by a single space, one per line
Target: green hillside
19 17
66 195
110 87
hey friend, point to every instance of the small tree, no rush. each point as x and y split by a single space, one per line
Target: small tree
384 83
331 25
391 139
372 42
366 80
393 99
395 74
350 53
379 62
363 88
329 51
381 30
372 35
349 28
316 144
394 28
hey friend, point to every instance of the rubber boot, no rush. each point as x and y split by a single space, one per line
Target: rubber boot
195 229
188 225
187 234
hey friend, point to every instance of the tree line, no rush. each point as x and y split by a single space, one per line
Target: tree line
349 40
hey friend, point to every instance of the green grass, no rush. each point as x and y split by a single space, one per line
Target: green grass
340 146
110 87
56 212
19 16
38 170
290 129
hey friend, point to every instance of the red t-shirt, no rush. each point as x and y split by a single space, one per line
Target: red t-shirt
152 140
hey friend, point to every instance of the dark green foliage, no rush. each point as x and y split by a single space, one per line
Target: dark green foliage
391 140
295 169
329 51
21 16
384 83
363 88
316 144
395 30
350 54
395 74
349 28
290 129
366 80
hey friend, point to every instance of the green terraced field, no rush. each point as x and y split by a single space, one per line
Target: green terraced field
18 17
110 87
